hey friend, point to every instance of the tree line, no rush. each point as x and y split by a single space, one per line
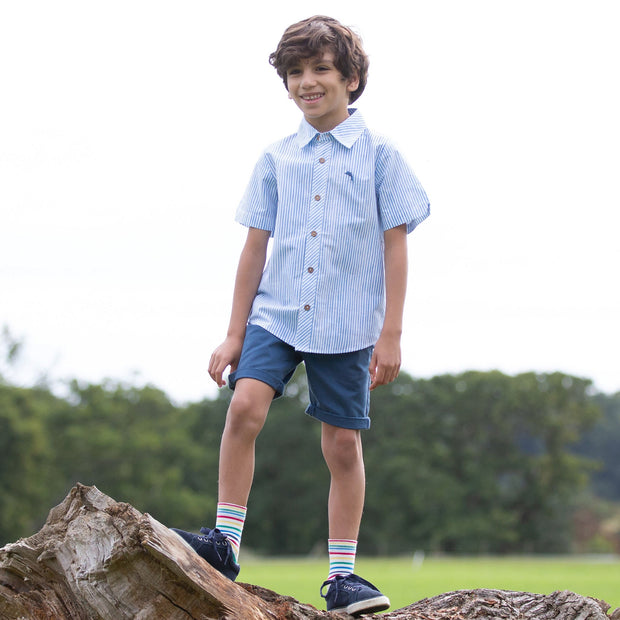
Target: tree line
477 462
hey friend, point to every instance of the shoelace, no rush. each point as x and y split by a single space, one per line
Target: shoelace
352 586
219 540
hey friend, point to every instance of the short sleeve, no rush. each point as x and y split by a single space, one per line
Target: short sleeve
258 207
401 198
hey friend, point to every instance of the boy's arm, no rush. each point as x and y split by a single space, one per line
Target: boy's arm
249 272
385 361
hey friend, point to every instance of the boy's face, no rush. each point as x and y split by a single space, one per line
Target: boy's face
320 91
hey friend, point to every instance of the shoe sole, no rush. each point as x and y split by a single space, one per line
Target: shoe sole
370 605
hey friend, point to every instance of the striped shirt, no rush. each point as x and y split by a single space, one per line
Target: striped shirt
327 199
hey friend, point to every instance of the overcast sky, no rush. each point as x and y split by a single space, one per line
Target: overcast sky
129 129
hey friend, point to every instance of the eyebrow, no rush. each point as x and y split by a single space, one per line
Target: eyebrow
312 59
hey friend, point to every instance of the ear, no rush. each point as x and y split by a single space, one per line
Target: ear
352 83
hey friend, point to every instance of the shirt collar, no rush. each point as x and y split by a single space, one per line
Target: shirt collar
346 133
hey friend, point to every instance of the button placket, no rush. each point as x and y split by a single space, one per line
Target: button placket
314 223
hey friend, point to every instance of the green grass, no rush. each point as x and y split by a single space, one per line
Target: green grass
405 583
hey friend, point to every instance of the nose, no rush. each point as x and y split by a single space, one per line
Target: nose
307 79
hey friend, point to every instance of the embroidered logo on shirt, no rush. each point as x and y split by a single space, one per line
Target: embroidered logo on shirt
349 174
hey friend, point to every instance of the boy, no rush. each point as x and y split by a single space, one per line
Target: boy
338 201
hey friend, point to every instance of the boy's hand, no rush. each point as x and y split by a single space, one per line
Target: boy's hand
385 361
227 354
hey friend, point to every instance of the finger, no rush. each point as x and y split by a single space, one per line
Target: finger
377 378
232 365
212 364
214 374
372 367
215 371
217 377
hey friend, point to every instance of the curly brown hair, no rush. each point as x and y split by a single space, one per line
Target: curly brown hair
310 38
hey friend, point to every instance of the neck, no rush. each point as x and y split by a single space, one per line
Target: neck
324 125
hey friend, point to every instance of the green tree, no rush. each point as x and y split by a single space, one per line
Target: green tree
601 445
25 458
25 451
10 348
133 444
477 462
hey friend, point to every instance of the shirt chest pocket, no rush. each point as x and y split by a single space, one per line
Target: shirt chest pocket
353 191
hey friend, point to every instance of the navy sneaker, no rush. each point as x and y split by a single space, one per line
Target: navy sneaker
353 595
214 547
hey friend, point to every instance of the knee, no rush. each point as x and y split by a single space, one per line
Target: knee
342 448
244 418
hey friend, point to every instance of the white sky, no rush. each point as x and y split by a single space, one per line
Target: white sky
128 131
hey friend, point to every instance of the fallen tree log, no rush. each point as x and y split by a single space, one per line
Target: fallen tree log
98 559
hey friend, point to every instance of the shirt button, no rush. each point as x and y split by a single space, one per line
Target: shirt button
310 269
306 307
322 160
313 233
317 198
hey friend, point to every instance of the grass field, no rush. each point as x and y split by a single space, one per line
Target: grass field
406 582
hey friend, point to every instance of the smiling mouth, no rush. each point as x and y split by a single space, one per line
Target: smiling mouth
313 97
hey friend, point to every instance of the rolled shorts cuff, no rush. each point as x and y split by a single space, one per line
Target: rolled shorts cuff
277 384
354 423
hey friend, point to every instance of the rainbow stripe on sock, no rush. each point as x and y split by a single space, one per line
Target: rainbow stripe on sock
341 556
229 520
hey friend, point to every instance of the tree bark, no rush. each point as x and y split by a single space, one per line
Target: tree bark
98 559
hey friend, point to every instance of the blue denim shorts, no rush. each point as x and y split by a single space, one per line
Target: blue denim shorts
338 383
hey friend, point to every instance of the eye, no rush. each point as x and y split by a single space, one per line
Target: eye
293 71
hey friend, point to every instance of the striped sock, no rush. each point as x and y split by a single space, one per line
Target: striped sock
230 519
341 556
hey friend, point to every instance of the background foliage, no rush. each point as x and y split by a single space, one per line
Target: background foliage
479 462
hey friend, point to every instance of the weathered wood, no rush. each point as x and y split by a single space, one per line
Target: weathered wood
492 604
98 559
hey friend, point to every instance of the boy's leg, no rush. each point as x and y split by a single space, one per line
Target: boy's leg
342 450
245 418
339 398
265 367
